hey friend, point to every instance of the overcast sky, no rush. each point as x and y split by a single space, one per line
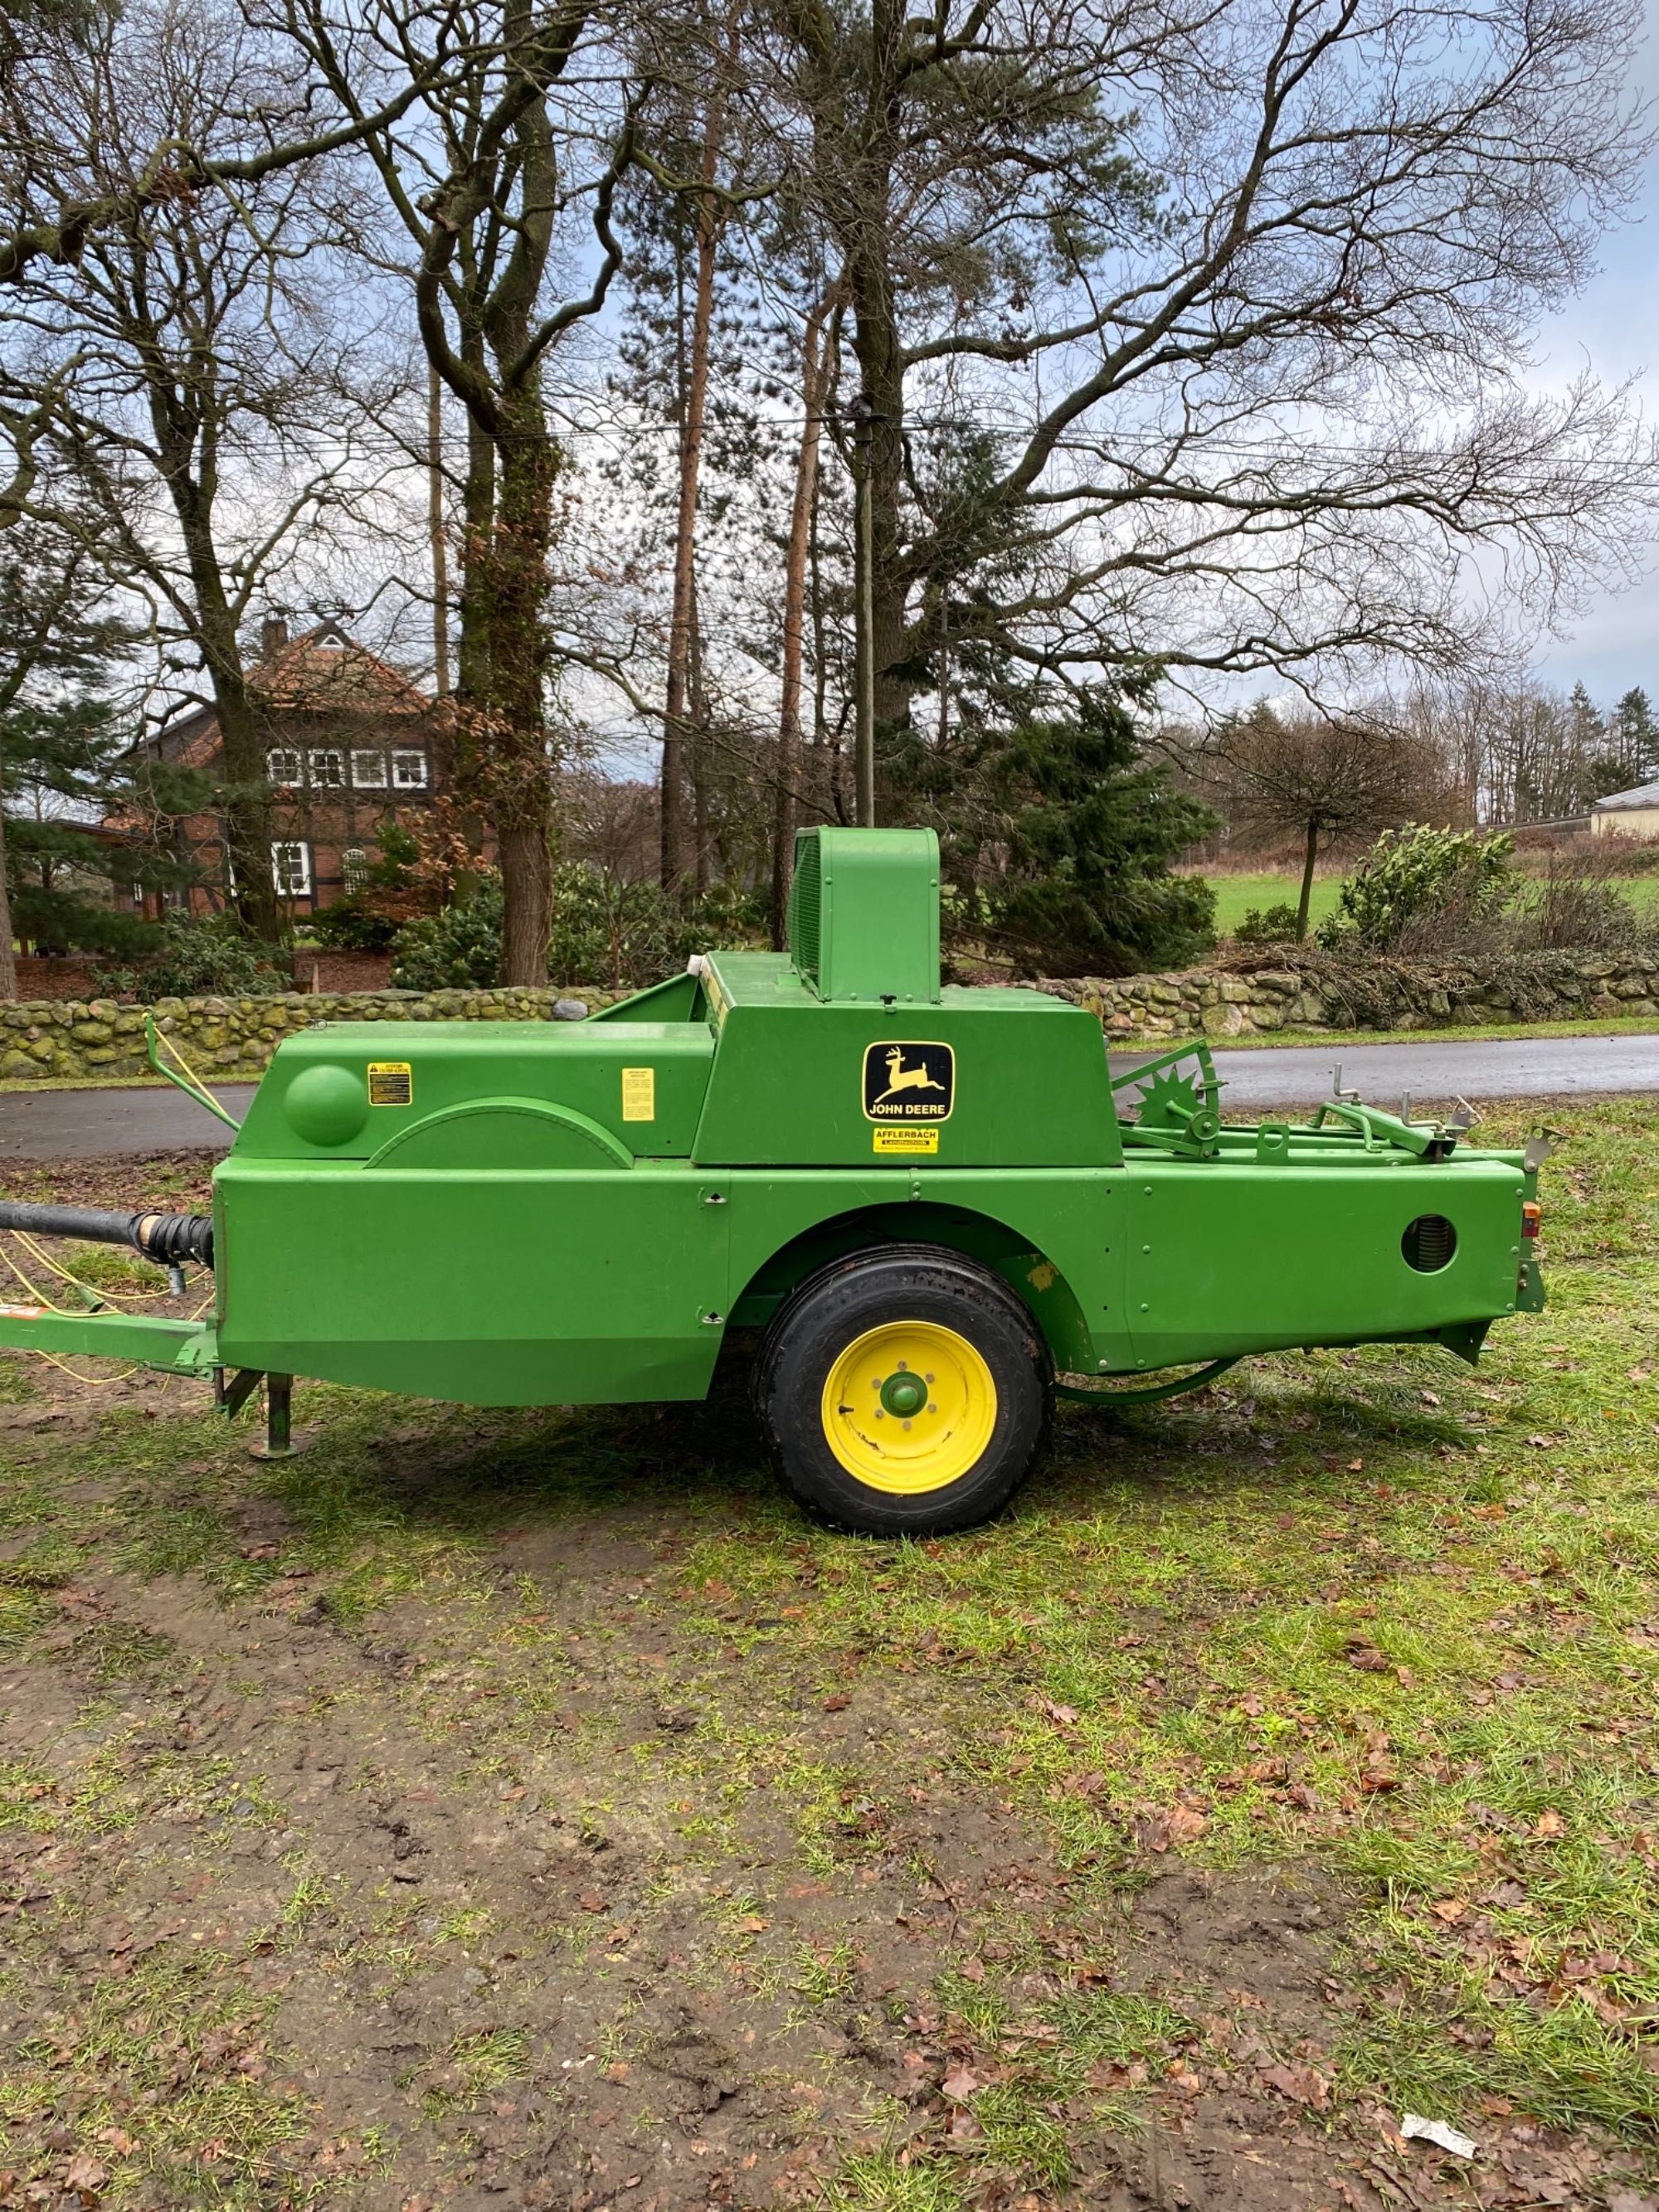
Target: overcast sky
1614 325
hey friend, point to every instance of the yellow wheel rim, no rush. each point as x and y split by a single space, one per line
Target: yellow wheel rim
909 1407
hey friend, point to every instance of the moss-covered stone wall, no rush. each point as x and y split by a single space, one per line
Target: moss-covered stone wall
228 1038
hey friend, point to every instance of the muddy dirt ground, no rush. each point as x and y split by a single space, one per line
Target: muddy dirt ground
406 1828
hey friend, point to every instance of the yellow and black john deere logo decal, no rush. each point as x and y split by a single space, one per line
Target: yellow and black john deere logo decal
909 1082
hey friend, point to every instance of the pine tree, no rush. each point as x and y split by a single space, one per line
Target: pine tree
1636 735
65 763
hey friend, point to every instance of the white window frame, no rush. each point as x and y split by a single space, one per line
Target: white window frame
405 757
354 869
277 773
372 778
321 778
298 886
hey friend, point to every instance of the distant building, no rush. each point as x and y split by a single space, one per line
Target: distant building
1628 813
351 745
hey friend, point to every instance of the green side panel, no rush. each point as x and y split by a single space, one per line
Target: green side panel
1047 1233
315 1100
1029 1086
1224 1258
863 913
503 1287
676 1000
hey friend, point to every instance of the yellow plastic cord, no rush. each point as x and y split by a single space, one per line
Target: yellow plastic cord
38 1295
92 1382
40 1298
193 1082
113 1297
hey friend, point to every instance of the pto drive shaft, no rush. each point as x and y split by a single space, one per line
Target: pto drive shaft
169 1239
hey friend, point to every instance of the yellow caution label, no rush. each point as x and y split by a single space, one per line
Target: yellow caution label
639 1093
391 1082
714 996
906 1140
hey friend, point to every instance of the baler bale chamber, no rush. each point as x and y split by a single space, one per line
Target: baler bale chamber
923 1195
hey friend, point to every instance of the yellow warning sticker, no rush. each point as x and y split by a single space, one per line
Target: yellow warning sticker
639 1093
391 1082
714 996
906 1140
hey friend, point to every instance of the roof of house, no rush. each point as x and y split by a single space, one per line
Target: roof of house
1644 795
323 668
323 671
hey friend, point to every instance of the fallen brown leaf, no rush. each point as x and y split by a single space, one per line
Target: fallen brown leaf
1301 2084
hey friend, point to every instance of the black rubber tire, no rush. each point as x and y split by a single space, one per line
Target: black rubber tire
892 1283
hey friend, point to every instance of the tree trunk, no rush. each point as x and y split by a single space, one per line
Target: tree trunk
878 349
1307 879
697 752
7 959
526 849
241 727
815 366
515 590
677 857
471 718
434 474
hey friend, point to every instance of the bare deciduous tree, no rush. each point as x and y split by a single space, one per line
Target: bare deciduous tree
1245 291
497 160
181 369
1301 775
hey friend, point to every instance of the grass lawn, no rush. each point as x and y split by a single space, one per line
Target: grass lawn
1236 895
531 1809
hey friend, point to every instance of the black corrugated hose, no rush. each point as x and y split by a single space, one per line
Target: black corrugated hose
170 1239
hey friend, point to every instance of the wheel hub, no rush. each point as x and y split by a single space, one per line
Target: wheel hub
909 1406
903 1393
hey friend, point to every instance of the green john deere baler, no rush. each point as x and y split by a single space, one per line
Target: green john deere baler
927 1198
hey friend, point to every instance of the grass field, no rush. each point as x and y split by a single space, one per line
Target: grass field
1235 895
531 1809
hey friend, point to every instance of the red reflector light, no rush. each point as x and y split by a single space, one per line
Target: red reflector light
1531 1214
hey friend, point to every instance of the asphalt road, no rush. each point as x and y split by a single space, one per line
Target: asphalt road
55 1125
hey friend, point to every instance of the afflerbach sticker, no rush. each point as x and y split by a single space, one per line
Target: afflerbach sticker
391 1082
909 1083
900 1139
